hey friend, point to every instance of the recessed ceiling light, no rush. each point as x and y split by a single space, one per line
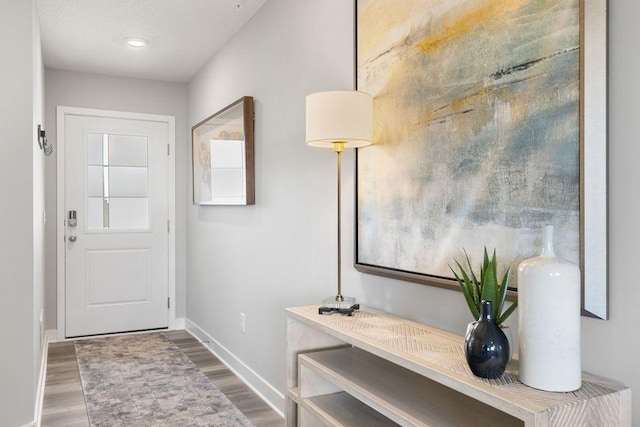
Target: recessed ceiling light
136 41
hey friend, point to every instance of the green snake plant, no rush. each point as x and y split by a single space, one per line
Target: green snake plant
485 287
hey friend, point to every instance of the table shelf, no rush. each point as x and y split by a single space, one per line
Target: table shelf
411 374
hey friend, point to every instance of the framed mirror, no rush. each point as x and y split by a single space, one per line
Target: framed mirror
222 150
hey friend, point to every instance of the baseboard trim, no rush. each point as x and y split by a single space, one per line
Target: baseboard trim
49 337
255 382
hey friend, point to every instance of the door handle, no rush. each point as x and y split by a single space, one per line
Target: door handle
73 238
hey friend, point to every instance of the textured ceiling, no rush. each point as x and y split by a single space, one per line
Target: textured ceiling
88 35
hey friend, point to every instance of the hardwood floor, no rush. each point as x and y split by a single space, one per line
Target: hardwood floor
258 412
63 403
64 406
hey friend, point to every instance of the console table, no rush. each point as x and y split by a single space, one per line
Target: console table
374 369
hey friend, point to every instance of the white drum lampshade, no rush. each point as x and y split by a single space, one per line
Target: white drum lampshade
339 116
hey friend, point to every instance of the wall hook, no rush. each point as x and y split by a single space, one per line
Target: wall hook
42 141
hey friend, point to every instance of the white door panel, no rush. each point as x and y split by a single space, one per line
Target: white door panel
129 283
116 180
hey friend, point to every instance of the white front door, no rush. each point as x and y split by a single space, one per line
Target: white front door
116 210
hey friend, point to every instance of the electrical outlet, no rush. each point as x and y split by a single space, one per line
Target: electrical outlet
242 323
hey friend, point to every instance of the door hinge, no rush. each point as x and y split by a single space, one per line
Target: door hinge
168 302
168 226
168 149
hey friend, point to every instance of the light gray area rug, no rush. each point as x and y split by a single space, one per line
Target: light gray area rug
146 380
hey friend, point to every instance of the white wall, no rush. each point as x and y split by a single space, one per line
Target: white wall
73 89
39 213
278 253
260 259
21 227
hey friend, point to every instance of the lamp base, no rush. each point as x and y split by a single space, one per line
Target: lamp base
342 305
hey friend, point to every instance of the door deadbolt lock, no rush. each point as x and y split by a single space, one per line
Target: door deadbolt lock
73 219
73 238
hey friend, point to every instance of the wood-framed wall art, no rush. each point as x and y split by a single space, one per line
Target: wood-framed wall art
223 156
489 123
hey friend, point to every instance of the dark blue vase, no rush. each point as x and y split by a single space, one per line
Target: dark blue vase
486 346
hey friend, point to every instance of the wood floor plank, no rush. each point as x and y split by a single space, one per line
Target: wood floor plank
64 405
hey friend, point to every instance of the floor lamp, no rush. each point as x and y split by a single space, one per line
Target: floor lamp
339 120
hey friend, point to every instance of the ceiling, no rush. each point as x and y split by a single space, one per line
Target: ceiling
89 35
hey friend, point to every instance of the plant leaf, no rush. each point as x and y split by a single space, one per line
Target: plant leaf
507 313
468 290
490 280
477 285
502 291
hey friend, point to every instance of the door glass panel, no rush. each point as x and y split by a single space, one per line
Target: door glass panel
94 149
94 213
95 185
128 213
127 150
117 182
127 181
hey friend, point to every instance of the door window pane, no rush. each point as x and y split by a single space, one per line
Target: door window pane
95 216
127 181
95 186
94 149
128 213
117 182
127 150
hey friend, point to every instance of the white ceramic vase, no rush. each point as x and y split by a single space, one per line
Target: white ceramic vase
549 321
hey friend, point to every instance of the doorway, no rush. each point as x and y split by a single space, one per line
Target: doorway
116 208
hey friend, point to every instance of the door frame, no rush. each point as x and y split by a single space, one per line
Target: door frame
61 113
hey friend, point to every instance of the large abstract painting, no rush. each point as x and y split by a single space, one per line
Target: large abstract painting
476 131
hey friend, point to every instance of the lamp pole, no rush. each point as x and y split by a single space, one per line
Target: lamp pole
338 148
